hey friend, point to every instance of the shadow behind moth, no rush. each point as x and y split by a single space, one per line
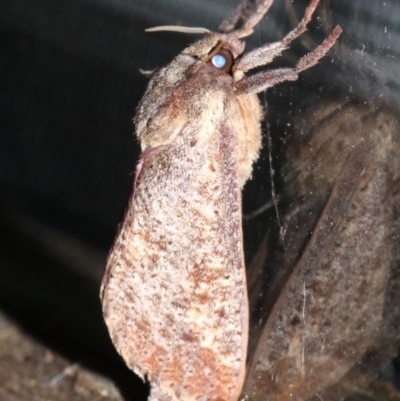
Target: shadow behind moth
174 290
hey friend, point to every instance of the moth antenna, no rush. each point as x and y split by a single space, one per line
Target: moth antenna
176 28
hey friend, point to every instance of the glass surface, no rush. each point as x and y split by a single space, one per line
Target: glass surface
323 258
326 315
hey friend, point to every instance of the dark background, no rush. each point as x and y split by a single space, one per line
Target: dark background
69 85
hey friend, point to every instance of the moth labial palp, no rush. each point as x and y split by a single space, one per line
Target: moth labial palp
175 298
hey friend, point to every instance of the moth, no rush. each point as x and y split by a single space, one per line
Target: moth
174 290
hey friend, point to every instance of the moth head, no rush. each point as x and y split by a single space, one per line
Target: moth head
216 49
219 50
224 51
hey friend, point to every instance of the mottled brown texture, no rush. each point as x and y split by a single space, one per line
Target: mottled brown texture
174 291
337 301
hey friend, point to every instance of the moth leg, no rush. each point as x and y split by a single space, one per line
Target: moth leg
243 19
237 17
266 79
265 54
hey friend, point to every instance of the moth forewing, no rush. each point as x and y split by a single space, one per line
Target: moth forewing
174 291
175 300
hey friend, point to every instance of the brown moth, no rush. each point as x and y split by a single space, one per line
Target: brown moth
174 290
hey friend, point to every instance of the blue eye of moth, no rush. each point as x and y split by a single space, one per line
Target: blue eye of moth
223 60
219 61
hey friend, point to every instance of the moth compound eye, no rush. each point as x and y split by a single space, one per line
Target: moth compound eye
219 61
223 60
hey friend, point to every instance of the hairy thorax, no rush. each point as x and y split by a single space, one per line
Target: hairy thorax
172 102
